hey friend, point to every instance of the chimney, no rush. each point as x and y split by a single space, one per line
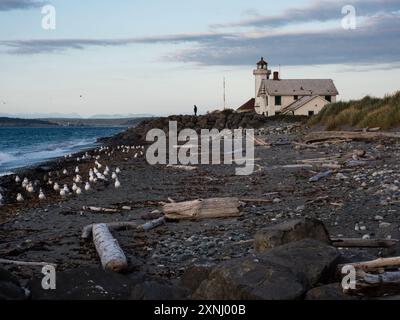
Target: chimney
276 75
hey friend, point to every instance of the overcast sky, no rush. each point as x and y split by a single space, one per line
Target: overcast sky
161 57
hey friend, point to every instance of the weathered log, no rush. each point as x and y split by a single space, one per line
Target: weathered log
100 209
111 255
368 279
202 209
187 168
349 135
375 264
363 243
320 176
120 225
124 225
152 224
256 200
26 263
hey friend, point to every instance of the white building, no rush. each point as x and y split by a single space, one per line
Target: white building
290 96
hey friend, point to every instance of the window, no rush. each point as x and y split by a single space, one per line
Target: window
310 113
328 98
278 100
296 97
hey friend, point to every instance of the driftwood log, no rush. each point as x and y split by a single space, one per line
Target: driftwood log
375 264
26 263
202 209
111 255
123 225
348 135
363 243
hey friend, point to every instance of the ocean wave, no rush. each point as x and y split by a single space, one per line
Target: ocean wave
6 157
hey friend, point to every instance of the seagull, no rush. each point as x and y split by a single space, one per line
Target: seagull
114 175
77 169
118 170
20 198
66 188
65 171
56 187
117 183
41 195
87 186
74 187
78 191
17 179
62 193
30 188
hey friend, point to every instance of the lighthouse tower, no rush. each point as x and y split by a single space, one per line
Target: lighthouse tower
261 73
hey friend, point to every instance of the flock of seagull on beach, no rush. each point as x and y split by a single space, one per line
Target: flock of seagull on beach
99 172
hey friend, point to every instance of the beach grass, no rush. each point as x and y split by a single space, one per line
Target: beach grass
368 112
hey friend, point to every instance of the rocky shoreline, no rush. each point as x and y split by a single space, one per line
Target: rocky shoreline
215 258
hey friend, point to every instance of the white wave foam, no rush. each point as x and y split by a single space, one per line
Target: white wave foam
6 157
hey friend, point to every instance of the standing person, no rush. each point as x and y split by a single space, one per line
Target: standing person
195 110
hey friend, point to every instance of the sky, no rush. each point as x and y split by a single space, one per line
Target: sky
163 56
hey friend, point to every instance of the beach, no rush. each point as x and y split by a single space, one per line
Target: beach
162 260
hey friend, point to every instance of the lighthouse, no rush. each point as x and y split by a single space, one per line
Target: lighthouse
261 73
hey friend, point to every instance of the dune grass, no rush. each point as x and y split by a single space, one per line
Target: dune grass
368 112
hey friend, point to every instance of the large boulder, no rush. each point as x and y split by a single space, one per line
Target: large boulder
289 231
283 273
158 290
84 284
10 288
332 291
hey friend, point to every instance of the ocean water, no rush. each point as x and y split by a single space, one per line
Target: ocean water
21 147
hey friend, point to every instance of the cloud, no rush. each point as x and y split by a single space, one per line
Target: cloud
378 41
319 11
58 45
6 5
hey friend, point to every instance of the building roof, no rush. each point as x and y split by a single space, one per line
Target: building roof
297 104
248 106
300 87
262 62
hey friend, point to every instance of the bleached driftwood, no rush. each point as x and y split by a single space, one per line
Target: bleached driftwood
375 264
120 225
123 225
100 209
152 224
202 209
363 243
187 168
26 263
348 135
256 200
111 255
320 176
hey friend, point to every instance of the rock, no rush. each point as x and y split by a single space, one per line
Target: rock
194 276
341 176
282 273
332 291
10 288
158 290
292 230
83 284
384 225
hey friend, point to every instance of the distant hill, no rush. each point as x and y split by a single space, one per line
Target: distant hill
15 122
368 112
